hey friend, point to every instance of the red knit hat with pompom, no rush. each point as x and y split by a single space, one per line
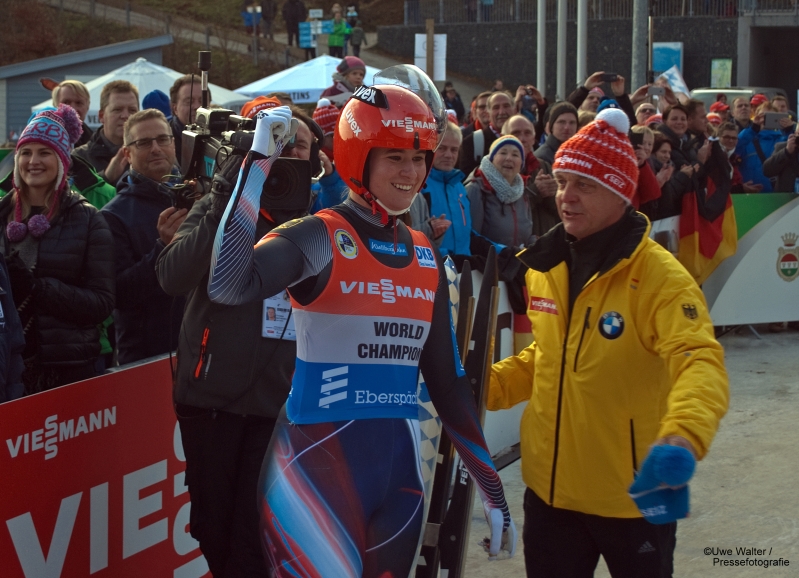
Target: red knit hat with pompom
326 116
59 130
602 152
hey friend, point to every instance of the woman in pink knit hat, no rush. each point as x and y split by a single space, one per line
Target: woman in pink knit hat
349 75
60 256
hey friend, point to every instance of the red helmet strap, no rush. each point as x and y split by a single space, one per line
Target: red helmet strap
376 207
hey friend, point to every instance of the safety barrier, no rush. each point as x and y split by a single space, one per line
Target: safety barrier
93 481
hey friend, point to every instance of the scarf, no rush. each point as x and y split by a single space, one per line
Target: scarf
343 83
507 194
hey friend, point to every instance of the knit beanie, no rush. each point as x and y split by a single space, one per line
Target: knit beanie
501 142
601 151
597 90
158 100
59 130
260 103
607 102
559 109
326 115
350 63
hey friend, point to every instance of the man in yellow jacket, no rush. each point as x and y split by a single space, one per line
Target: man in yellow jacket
624 359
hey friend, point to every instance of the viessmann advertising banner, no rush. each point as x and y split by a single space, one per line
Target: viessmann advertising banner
91 481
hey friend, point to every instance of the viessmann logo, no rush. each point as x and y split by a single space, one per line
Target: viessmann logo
544 305
54 431
408 124
387 290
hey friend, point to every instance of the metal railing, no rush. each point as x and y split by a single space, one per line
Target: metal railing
463 11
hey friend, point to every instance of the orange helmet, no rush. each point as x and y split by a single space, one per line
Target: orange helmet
383 116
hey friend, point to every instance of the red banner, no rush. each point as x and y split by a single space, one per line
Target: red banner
91 481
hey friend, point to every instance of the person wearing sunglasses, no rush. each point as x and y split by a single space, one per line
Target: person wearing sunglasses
143 220
644 111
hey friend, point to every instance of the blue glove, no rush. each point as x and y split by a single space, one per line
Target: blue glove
660 489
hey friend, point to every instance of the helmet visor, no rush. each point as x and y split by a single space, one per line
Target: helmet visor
414 79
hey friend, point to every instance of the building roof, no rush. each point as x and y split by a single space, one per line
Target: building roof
71 58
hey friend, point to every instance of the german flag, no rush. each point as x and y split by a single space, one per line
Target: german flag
708 233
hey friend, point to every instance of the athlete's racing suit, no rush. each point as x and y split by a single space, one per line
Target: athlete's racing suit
341 490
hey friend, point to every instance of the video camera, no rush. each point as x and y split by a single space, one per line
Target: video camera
218 133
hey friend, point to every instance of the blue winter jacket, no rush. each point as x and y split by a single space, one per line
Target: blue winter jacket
330 191
147 320
446 195
752 166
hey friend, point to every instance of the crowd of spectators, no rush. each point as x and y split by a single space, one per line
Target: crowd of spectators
86 218
679 144
87 214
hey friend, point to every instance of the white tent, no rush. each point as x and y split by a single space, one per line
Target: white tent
304 82
146 77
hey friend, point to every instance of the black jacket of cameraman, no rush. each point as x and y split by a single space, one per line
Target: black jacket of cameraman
146 319
223 362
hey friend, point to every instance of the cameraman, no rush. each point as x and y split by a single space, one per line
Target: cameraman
307 145
231 381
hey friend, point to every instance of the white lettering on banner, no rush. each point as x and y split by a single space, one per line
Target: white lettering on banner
98 528
387 290
55 431
106 511
409 124
353 125
29 548
134 508
35 564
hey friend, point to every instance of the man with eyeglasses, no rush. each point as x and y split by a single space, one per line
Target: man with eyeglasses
644 111
143 221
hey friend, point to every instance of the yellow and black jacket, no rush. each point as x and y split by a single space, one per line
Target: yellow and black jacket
636 360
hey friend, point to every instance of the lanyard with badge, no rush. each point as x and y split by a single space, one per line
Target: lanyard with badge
277 322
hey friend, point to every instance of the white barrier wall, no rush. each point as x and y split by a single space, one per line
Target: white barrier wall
759 283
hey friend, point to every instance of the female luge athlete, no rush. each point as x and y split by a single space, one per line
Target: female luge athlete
341 488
